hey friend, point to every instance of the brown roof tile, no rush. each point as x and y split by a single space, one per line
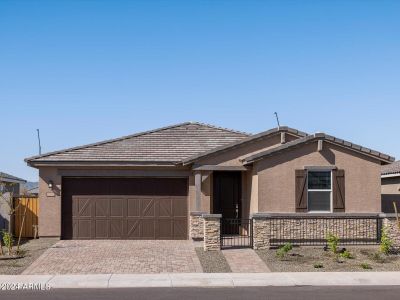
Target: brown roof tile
391 169
165 145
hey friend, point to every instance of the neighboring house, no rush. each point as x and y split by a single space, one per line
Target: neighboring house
390 187
146 185
9 185
31 188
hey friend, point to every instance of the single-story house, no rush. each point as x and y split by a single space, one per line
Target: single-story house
390 187
148 185
9 186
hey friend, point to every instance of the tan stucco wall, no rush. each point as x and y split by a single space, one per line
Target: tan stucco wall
276 177
390 193
49 203
233 156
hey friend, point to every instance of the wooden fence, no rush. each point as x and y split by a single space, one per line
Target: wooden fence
31 204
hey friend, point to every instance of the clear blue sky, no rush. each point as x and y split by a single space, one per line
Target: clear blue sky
84 71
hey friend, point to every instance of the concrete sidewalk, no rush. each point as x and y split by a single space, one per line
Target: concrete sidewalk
205 280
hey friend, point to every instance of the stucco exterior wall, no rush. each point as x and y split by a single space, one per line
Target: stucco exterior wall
49 203
233 156
390 193
276 177
9 190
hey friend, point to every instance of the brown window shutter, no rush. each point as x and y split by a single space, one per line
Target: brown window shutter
338 192
301 190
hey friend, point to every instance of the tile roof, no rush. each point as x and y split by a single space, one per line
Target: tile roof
391 169
249 139
6 177
319 136
164 145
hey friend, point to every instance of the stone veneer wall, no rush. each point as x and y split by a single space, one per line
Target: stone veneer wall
212 234
266 228
197 225
391 224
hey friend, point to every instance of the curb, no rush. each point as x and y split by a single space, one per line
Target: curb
203 280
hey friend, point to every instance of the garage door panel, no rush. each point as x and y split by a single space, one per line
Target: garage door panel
102 207
180 228
84 207
117 207
147 207
84 228
165 207
133 205
124 208
133 229
101 228
148 229
116 228
165 229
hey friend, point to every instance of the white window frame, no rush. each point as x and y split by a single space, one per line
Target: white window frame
321 190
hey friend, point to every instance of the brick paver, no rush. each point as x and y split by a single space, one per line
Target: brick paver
117 257
245 261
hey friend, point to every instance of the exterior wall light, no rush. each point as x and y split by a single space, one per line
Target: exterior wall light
50 184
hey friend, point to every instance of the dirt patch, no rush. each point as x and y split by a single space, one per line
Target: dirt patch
213 261
315 259
31 250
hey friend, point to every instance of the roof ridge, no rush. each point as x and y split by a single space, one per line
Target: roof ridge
220 127
127 137
107 141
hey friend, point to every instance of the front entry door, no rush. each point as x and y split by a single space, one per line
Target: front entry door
227 194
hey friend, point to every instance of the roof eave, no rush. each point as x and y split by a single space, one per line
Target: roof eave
99 163
320 136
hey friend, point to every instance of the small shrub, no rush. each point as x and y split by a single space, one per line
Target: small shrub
8 241
386 242
318 266
333 242
365 266
282 251
346 254
377 256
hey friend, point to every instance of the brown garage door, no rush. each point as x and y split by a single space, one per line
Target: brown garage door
124 208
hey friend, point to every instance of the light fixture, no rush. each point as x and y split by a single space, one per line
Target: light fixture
50 184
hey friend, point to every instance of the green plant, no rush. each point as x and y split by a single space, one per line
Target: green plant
318 266
8 241
386 243
333 242
282 251
365 266
377 256
346 254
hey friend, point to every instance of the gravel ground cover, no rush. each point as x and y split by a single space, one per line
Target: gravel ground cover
212 261
315 259
31 249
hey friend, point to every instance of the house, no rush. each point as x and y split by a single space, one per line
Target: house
390 176
151 185
9 186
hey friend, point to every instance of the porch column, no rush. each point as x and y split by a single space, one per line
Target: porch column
197 183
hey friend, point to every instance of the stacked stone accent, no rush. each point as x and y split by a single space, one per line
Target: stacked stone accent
392 227
261 233
267 227
212 232
197 225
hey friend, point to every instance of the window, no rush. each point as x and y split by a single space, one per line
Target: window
319 191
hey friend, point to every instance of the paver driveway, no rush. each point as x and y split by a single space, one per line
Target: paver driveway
116 256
